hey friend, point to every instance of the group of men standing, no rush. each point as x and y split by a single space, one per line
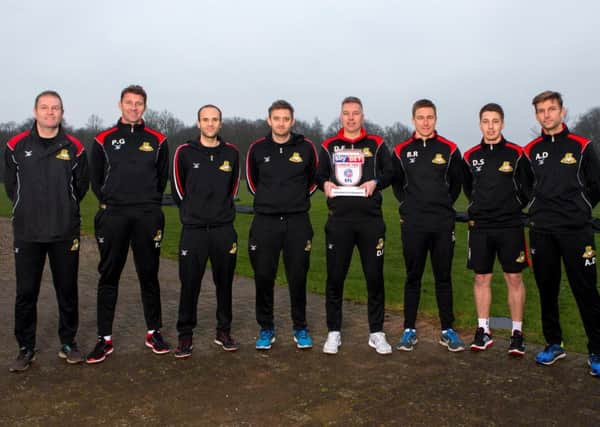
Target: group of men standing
557 176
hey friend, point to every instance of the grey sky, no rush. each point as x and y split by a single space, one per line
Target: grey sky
242 55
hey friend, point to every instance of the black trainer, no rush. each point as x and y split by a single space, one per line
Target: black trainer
482 340
225 340
184 349
102 349
517 344
23 360
70 353
155 341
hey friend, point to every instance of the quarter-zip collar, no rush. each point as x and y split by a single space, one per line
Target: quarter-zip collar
361 136
131 128
492 147
424 141
552 138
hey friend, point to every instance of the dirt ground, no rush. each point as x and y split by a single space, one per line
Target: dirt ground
284 386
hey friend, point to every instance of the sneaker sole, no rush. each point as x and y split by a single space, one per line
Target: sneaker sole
484 347
102 359
265 347
24 368
516 353
302 346
155 351
331 350
183 356
551 362
378 351
404 348
453 350
220 343
70 361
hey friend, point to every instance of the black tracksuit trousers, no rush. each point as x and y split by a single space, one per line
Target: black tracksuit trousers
196 247
577 250
30 258
270 235
341 237
416 245
116 228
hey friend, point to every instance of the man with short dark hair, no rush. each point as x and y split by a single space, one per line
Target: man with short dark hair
46 176
495 182
354 167
566 188
129 172
428 180
280 172
204 183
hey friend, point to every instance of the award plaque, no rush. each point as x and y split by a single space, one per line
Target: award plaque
348 166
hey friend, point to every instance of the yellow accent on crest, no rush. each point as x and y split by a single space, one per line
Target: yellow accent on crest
471 223
75 246
568 159
380 244
233 249
225 167
146 147
367 152
296 158
439 159
158 236
506 167
589 253
308 246
63 155
521 258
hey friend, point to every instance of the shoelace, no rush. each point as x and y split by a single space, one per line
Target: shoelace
265 335
451 335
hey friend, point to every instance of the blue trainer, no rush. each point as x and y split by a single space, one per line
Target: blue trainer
266 337
551 354
302 338
450 339
408 340
594 362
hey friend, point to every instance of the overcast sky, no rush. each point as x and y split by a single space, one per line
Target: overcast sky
242 55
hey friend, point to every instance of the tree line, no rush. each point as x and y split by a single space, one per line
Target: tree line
242 132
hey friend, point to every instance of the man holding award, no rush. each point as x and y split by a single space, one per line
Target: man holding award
353 169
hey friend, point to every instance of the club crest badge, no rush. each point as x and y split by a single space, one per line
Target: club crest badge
295 158
233 249
308 246
439 159
75 245
380 244
225 167
521 258
158 236
506 167
63 154
568 159
589 253
367 152
146 147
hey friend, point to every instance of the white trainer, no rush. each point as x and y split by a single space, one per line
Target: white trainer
379 343
334 341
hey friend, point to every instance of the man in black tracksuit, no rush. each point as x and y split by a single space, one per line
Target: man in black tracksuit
204 183
354 157
46 176
566 188
129 171
280 171
428 180
496 178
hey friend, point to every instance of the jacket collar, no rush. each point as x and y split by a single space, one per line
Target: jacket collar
564 132
363 135
131 128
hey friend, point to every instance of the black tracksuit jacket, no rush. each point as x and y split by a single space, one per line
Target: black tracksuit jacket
45 179
129 165
281 176
496 179
377 166
428 177
204 183
566 183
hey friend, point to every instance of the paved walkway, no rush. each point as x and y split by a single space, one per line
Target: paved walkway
285 386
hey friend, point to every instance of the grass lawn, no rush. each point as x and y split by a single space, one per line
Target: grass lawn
574 336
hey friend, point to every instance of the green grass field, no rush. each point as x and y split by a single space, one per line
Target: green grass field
573 332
